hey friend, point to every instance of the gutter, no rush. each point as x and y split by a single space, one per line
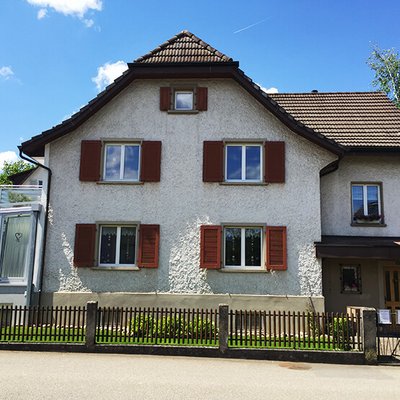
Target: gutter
332 167
49 173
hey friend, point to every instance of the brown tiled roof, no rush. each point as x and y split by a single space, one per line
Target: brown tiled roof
353 119
184 48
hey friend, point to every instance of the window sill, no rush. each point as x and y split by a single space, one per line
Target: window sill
119 183
11 283
182 112
241 270
115 268
368 224
243 184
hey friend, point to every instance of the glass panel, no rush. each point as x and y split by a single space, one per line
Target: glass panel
234 162
16 233
350 281
253 162
372 199
113 162
233 252
396 285
108 245
127 247
357 196
183 101
253 247
131 163
387 286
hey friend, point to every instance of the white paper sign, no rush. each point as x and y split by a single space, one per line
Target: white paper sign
397 317
384 317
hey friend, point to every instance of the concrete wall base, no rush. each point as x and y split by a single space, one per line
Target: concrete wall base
234 301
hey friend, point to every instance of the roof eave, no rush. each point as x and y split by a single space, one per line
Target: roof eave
35 146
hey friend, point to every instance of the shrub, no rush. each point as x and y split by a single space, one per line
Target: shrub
172 327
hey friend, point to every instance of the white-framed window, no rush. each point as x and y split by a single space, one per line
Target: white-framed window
117 245
183 100
243 162
244 247
15 242
121 162
366 203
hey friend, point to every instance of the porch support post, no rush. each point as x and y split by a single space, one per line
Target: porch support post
368 332
91 315
223 327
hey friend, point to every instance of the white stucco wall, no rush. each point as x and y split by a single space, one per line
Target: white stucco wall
181 202
336 195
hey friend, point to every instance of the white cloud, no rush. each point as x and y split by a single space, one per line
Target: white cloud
9 156
269 90
41 13
88 22
75 8
6 72
107 73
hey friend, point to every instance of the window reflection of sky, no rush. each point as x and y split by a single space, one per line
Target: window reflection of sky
113 160
252 162
358 200
131 162
234 162
128 155
184 101
372 198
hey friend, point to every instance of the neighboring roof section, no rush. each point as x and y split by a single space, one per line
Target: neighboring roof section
365 119
20 177
184 48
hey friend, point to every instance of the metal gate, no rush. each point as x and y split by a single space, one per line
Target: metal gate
388 335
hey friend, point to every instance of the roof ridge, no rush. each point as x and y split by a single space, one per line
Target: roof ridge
179 35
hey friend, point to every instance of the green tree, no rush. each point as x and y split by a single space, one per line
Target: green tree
11 168
386 64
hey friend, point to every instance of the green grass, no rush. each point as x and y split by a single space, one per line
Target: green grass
42 334
47 334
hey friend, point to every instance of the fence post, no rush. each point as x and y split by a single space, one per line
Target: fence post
91 316
368 332
223 327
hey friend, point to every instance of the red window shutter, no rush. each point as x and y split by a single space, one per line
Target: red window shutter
85 240
210 246
276 248
274 162
165 98
201 98
90 161
150 165
149 237
213 161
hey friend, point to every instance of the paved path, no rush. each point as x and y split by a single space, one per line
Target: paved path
30 375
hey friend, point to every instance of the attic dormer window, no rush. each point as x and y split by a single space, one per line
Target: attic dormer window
186 99
183 100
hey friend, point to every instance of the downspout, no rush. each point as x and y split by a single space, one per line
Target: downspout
49 173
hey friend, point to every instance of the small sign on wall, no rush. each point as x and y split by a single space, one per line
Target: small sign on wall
384 317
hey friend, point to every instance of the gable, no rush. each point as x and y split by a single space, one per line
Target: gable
185 56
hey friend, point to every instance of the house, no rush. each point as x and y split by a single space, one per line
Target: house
184 184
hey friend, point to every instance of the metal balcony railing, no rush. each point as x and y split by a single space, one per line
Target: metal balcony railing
19 195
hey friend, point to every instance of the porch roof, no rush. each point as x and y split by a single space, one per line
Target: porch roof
373 247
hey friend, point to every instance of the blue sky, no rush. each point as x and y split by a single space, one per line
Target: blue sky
52 50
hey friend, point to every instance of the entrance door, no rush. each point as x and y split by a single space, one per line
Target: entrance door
392 288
